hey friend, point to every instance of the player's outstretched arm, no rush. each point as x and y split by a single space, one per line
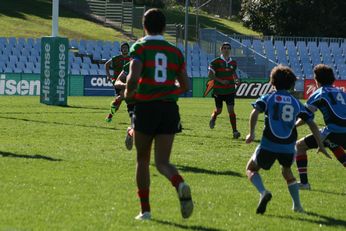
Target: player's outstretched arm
316 133
183 80
252 123
133 77
107 67
120 83
299 122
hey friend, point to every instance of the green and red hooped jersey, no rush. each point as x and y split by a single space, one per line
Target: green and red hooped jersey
224 70
162 62
118 63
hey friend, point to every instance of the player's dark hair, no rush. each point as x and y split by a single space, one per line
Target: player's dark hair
124 44
282 78
154 21
324 74
225 44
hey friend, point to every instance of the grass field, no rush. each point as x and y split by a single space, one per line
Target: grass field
64 168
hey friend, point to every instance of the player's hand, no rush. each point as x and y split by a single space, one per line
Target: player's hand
250 138
324 151
237 82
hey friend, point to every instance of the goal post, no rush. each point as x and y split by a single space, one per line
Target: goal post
54 64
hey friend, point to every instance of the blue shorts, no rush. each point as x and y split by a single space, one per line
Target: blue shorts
265 159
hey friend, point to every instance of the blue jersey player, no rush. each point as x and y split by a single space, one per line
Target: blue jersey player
281 111
331 101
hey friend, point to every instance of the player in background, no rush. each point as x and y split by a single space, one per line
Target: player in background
281 111
222 71
331 101
155 66
117 63
120 83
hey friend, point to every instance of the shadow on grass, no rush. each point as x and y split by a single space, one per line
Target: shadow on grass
322 220
329 192
57 123
207 171
15 155
188 227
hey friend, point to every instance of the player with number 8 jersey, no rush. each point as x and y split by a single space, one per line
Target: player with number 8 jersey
281 111
157 77
162 61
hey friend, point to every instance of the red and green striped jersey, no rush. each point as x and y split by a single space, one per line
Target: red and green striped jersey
117 64
224 70
126 68
162 62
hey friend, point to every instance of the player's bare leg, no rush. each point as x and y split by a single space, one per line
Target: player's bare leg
293 188
265 196
233 121
143 145
163 147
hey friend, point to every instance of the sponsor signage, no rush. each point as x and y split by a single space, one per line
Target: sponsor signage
310 86
14 84
97 86
54 70
253 88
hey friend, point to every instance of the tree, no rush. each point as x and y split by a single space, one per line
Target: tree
296 17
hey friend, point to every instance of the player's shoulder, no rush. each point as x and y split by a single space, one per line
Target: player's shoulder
216 60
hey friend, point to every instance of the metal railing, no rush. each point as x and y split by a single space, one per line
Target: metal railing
249 61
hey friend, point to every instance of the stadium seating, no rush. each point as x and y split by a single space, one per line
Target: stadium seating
20 55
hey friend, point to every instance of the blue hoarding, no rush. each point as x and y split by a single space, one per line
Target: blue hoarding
97 86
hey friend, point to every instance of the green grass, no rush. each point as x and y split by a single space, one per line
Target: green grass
64 168
33 19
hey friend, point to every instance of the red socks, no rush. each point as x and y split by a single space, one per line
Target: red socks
143 195
176 180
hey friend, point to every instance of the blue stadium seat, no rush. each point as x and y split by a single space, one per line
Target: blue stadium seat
37 70
3 40
13 58
32 59
3 58
8 70
106 55
246 42
30 65
15 51
97 56
86 59
12 41
101 72
258 46
23 59
94 66
30 41
17 70
73 43
75 66
20 65
75 71
77 60
84 72
93 72
83 43
85 66
27 71
2 65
